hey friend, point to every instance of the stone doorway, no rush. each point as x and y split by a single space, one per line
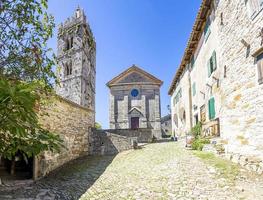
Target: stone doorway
134 122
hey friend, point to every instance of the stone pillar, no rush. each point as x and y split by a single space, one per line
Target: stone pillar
112 112
143 120
125 111
35 168
157 127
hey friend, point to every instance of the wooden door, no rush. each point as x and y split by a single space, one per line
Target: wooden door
135 122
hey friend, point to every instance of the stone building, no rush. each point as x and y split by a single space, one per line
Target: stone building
219 81
166 125
135 101
76 61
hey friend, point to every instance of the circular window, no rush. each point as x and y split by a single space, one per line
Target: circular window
134 92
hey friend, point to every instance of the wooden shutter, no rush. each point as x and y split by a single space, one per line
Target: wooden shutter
211 106
209 68
214 61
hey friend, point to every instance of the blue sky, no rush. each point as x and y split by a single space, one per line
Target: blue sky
149 33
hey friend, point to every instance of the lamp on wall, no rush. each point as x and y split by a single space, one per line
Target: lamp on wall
210 86
244 42
217 80
203 94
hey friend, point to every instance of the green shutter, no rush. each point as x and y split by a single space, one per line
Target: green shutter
211 106
214 61
194 89
209 68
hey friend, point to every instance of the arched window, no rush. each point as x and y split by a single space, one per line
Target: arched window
68 69
71 42
67 44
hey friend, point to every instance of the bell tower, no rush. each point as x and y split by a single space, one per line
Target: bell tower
76 53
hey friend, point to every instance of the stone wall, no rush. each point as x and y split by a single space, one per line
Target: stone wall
144 135
242 102
106 143
73 123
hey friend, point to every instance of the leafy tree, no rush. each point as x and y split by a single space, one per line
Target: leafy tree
25 73
25 29
98 126
19 127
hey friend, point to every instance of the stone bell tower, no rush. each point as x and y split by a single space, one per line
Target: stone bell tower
76 55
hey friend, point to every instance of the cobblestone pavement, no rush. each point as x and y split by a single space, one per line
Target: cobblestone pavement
67 183
157 171
169 171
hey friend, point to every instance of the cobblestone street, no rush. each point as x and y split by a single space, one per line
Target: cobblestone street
157 171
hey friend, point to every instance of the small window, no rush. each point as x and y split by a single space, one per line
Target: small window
192 62
71 42
67 44
207 29
178 96
212 64
260 68
134 92
68 69
211 107
194 89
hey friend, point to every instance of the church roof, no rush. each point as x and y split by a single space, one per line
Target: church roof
116 80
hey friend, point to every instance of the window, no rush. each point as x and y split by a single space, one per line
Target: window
254 6
211 107
178 96
196 119
207 29
192 62
71 42
134 92
68 70
211 64
260 68
194 89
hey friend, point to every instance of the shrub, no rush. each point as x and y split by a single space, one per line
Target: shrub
199 143
196 130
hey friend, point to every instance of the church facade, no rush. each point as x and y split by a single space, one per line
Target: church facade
135 101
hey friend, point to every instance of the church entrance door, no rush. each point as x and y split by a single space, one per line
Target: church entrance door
135 122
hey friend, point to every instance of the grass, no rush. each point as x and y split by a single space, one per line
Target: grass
226 168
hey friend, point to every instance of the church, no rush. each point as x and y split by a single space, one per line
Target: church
135 101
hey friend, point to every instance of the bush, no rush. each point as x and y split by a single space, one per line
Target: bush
196 130
199 143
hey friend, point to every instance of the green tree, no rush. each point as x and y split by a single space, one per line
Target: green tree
19 127
25 76
98 126
25 29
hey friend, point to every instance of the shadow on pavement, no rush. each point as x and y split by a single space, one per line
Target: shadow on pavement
68 182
